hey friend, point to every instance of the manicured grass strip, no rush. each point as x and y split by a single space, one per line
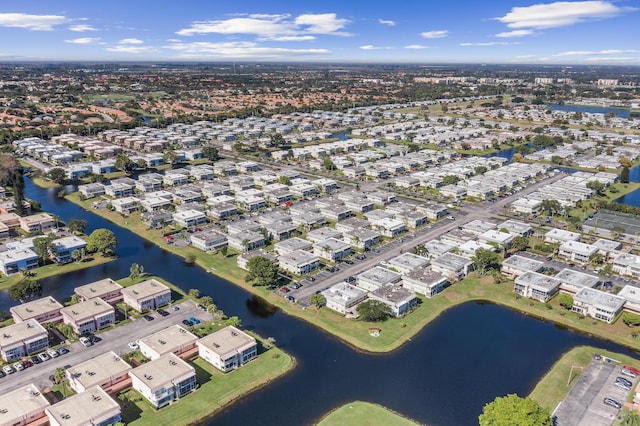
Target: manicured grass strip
359 413
553 387
216 390
54 269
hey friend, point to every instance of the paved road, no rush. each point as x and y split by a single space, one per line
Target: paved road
466 213
115 339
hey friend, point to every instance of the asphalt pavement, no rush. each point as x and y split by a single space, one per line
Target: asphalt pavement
112 339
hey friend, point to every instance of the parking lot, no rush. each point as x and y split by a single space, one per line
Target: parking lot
116 339
584 405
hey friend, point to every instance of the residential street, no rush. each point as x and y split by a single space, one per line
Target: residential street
466 213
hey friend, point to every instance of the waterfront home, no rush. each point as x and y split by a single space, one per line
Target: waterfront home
174 339
62 248
106 289
147 295
14 261
343 296
228 349
597 304
43 310
425 280
400 300
536 286
298 262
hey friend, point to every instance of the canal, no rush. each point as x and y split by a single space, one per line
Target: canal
443 376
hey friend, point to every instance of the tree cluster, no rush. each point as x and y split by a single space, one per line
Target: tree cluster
262 272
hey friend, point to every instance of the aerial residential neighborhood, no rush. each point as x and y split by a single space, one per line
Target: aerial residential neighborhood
426 212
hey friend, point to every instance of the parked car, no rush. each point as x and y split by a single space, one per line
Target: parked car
86 342
134 346
34 359
53 353
175 308
2 374
623 383
194 320
27 363
162 312
612 402
18 366
633 369
628 373
187 322
63 350
45 357
7 369
350 279
148 317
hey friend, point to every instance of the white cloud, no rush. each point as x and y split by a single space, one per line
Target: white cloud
614 59
559 14
387 22
272 27
372 47
288 38
435 34
123 48
323 23
596 52
416 46
31 22
489 43
515 33
84 40
81 28
238 49
130 41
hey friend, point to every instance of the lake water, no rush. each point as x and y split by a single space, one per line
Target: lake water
620 112
443 376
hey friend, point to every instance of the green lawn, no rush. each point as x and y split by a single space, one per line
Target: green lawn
215 391
54 269
556 384
359 413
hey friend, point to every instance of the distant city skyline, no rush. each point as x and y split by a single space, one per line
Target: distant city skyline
459 31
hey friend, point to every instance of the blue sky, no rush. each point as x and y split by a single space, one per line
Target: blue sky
416 31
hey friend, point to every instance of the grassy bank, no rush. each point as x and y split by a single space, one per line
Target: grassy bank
359 413
216 390
394 332
556 384
51 270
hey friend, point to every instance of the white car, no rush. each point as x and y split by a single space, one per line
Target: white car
134 346
44 356
18 366
86 342
53 353
7 369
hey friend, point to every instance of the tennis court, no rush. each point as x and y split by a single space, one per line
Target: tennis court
609 219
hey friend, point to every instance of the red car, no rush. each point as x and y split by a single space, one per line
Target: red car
632 369
26 363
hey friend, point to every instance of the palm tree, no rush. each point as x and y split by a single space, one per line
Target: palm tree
245 245
60 377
